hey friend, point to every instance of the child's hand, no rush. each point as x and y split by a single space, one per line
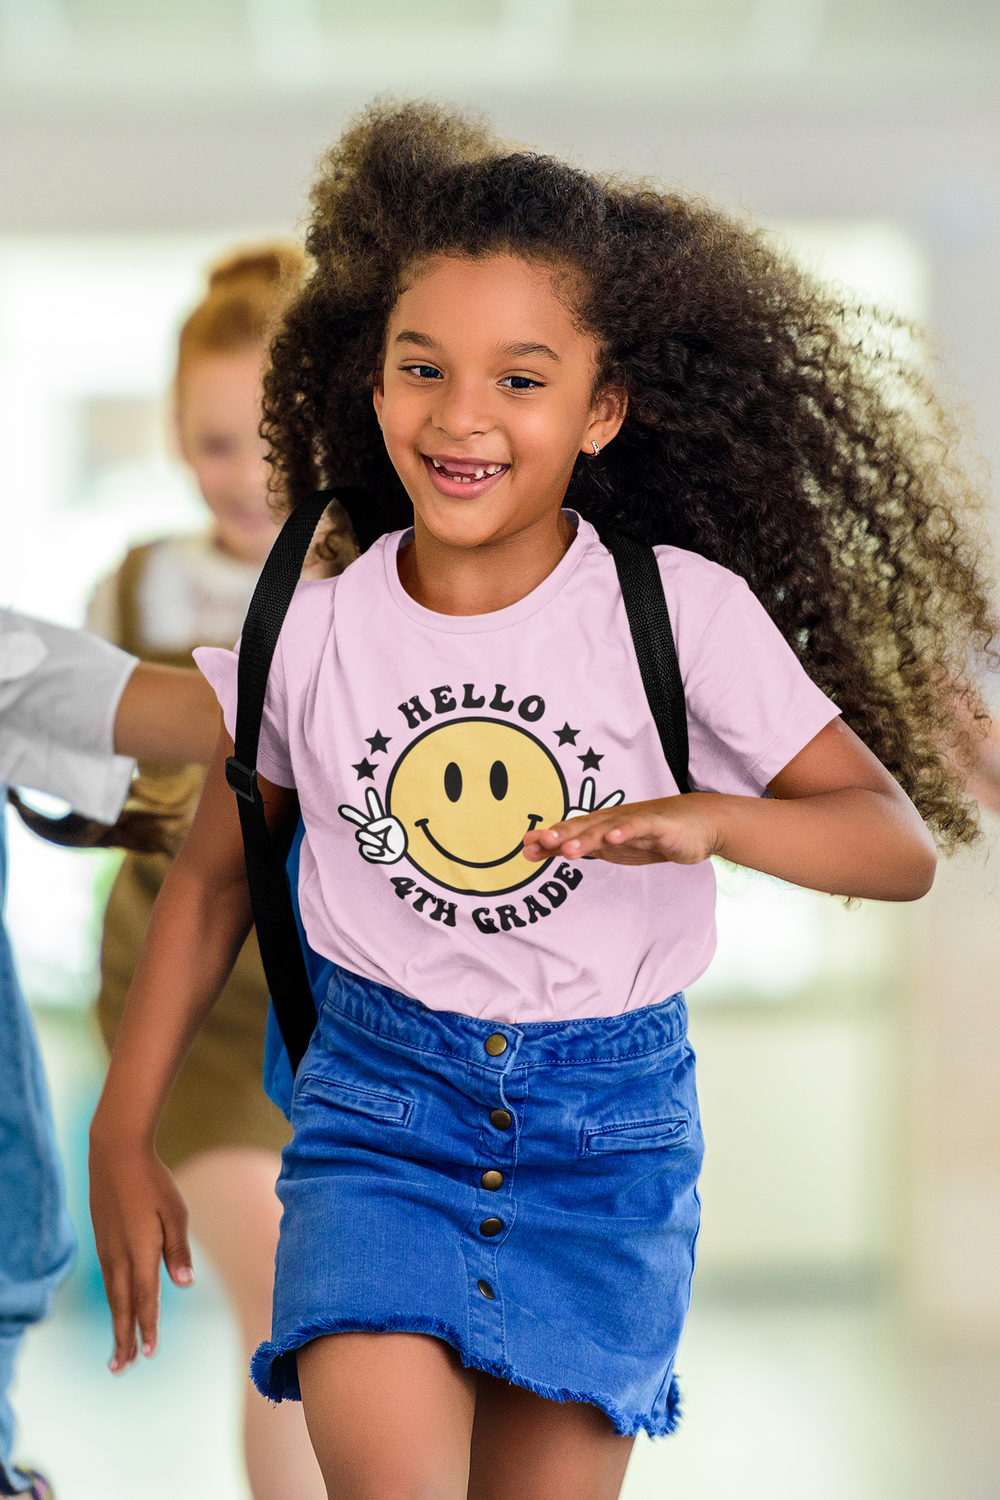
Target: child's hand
139 1218
678 829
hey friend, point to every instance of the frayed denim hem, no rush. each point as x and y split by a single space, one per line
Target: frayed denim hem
273 1370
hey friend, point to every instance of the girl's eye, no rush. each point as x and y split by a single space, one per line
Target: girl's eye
520 383
425 372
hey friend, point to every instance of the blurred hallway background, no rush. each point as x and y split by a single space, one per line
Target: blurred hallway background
845 1335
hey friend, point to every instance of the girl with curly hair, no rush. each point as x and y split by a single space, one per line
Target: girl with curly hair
490 1203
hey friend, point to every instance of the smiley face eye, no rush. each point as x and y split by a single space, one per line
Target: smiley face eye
498 780
452 781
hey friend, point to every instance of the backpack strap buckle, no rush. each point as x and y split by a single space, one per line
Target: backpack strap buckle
242 779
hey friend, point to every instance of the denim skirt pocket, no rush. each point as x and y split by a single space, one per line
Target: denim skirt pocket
335 1092
636 1135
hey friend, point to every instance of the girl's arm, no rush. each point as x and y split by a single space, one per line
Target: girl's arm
200 921
836 821
167 713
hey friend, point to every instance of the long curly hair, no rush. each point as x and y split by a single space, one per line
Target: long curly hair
772 425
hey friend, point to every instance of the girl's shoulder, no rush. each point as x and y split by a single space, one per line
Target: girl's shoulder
719 624
690 572
311 608
696 588
315 602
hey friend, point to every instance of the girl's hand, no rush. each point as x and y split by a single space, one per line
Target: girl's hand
139 1218
678 829
835 821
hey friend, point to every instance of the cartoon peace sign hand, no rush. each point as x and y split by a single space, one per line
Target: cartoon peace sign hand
382 839
587 793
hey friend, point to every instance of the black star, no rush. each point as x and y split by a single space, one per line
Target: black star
591 761
364 768
565 735
378 742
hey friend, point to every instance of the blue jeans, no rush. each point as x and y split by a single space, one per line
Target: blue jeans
37 1244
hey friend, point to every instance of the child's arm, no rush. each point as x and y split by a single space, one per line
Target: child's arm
167 713
200 921
836 821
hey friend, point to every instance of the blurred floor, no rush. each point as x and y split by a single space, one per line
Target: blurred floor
815 1401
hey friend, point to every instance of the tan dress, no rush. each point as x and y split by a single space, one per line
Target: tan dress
218 1099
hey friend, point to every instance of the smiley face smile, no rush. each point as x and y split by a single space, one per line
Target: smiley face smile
478 864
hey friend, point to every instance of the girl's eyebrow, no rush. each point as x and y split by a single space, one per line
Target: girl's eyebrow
526 349
424 341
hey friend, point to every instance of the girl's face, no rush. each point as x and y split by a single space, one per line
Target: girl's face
217 419
486 397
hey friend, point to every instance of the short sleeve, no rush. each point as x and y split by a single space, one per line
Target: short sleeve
220 668
751 705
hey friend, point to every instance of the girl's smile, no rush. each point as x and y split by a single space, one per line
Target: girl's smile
464 479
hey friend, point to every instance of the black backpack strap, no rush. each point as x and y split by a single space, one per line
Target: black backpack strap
273 914
653 639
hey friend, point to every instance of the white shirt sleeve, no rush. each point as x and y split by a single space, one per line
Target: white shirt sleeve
59 693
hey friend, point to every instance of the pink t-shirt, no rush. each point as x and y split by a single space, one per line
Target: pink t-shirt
423 746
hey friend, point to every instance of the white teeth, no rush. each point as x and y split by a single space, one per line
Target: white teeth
486 473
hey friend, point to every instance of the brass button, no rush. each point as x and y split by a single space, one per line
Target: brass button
490 1227
487 1290
496 1044
491 1181
500 1119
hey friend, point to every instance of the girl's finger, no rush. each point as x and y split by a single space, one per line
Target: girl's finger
147 1308
606 830
547 838
177 1250
630 828
119 1289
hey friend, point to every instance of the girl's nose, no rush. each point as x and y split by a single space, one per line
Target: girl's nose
460 413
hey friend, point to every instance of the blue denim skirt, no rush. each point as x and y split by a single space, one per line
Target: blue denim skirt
526 1193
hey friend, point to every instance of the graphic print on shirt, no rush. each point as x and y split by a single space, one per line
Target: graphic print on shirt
463 793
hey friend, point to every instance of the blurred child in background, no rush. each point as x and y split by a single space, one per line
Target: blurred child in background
219 1134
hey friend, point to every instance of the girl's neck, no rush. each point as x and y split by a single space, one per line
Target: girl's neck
481 580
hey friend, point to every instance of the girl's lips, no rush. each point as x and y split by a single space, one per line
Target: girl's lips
463 488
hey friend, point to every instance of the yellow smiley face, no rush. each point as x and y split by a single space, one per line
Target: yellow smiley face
466 793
